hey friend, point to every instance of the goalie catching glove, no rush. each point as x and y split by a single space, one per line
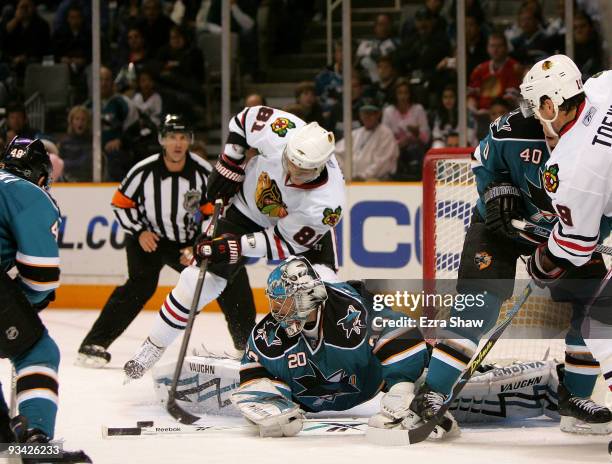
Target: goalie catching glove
225 180
502 202
262 404
224 249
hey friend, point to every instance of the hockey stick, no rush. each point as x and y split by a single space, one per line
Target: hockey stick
534 229
172 406
311 427
421 433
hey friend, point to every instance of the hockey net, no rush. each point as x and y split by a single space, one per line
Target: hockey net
449 195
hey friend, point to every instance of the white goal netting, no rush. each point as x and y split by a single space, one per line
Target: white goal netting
449 196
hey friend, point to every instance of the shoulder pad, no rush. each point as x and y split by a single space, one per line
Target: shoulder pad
270 339
515 126
345 319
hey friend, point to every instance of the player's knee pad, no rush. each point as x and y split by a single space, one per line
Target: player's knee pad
185 288
20 326
488 263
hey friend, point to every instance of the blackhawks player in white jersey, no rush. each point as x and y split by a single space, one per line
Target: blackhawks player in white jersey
286 201
578 180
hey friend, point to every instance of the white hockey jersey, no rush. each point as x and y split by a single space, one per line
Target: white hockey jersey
295 217
578 175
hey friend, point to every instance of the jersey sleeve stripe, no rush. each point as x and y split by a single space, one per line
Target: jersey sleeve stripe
279 247
234 138
244 115
39 286
268 246
38 261
41 274
573 246
582 238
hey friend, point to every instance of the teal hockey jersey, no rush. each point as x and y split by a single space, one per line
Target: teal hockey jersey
353 355
29 222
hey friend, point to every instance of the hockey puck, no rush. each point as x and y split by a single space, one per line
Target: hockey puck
144 424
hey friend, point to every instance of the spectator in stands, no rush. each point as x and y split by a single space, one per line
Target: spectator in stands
359 90
296 109
408 123
497 77
328 83
534 7
387 73
146 99
16 124
383 44
375 151
444 120
118 114
452 140
435 9
136 52
498 108
57 163
243 16
24 37
61 14
306 97
588 53
76 147
532 44
72 45
254 99
181 79
418 55
154 25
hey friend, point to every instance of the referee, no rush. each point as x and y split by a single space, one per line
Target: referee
156 205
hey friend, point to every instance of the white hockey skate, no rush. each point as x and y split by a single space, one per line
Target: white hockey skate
143 360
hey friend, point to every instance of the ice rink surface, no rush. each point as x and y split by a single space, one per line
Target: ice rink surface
92 398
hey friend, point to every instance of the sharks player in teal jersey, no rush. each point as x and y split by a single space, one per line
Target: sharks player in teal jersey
29 221
321 349
509 166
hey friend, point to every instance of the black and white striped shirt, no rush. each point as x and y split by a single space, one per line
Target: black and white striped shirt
155 199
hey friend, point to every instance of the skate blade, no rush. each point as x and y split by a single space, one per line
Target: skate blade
572 425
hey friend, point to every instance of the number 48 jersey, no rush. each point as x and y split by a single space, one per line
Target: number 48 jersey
294 217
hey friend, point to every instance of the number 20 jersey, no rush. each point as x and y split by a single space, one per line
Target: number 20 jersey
295 217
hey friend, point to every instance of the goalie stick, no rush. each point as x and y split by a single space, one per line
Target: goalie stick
534 229
172 406
423 431
311 427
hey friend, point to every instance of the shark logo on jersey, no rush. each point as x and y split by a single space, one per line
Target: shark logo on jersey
191 200
331 217
268 197
269 334
551 178
325 388
483 260
351 322
281 125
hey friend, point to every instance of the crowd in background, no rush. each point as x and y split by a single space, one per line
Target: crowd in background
404 97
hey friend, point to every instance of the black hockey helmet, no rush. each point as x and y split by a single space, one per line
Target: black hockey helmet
174 123
27 159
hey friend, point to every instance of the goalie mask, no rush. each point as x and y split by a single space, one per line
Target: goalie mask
294 291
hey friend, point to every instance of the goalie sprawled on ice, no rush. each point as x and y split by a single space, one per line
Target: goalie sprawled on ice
318 351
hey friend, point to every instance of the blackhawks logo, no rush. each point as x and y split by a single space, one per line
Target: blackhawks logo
551 178
331 217
281 126
483 260
268 197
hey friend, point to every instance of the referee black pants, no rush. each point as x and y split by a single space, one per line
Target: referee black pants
144 268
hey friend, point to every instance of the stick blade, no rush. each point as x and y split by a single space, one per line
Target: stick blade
179 413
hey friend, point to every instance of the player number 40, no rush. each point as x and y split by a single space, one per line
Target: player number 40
531 156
